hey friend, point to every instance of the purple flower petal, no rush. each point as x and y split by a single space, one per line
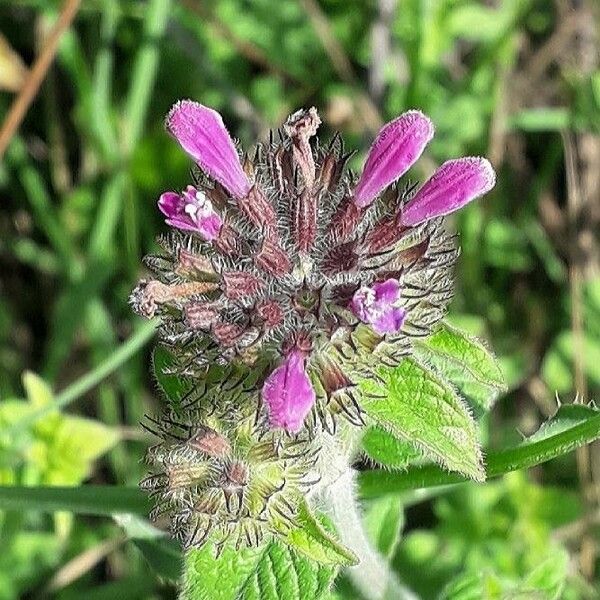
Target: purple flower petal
376 306
288 393
191 211
202 134
453 185
397 146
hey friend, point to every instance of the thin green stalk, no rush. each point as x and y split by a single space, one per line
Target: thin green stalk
144 72
83 385
88 499
103 340
103 76
43 209
378 482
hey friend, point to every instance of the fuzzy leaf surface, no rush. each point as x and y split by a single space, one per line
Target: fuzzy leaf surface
414 404
464 361
270 572
572 426
311 539
385 449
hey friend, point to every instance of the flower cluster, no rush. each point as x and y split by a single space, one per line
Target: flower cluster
288 267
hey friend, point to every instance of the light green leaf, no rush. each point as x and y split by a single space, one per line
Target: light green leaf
302 565
37 390
311 539
284 575
270 572
548 578
415 405
474 586
571 427
465 362
208 577
81 441
387 450
384 519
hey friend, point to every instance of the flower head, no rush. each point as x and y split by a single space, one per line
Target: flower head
281 283
286 261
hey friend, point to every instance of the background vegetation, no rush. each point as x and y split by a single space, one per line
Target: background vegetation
515 80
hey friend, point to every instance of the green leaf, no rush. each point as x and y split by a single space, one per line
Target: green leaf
76 443
38 392
475 586
385 449
174 387
415 405
384 519
282 574
208 577
309 538
273 571
87 499
548 579
465 362
163 555
571 427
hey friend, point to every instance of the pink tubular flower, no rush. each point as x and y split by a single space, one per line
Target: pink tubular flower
288 393
395 149
202 134
453 185
377 306
191 211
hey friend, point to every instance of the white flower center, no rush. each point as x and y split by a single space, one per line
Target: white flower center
200 207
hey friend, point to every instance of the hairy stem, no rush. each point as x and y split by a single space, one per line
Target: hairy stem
372 576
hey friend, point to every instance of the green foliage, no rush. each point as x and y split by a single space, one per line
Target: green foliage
309 538
386 449
60 448
497 543
571 427
465 362
414 404
269 572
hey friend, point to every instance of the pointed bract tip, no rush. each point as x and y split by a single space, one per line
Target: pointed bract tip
396 148
202 134
455 184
